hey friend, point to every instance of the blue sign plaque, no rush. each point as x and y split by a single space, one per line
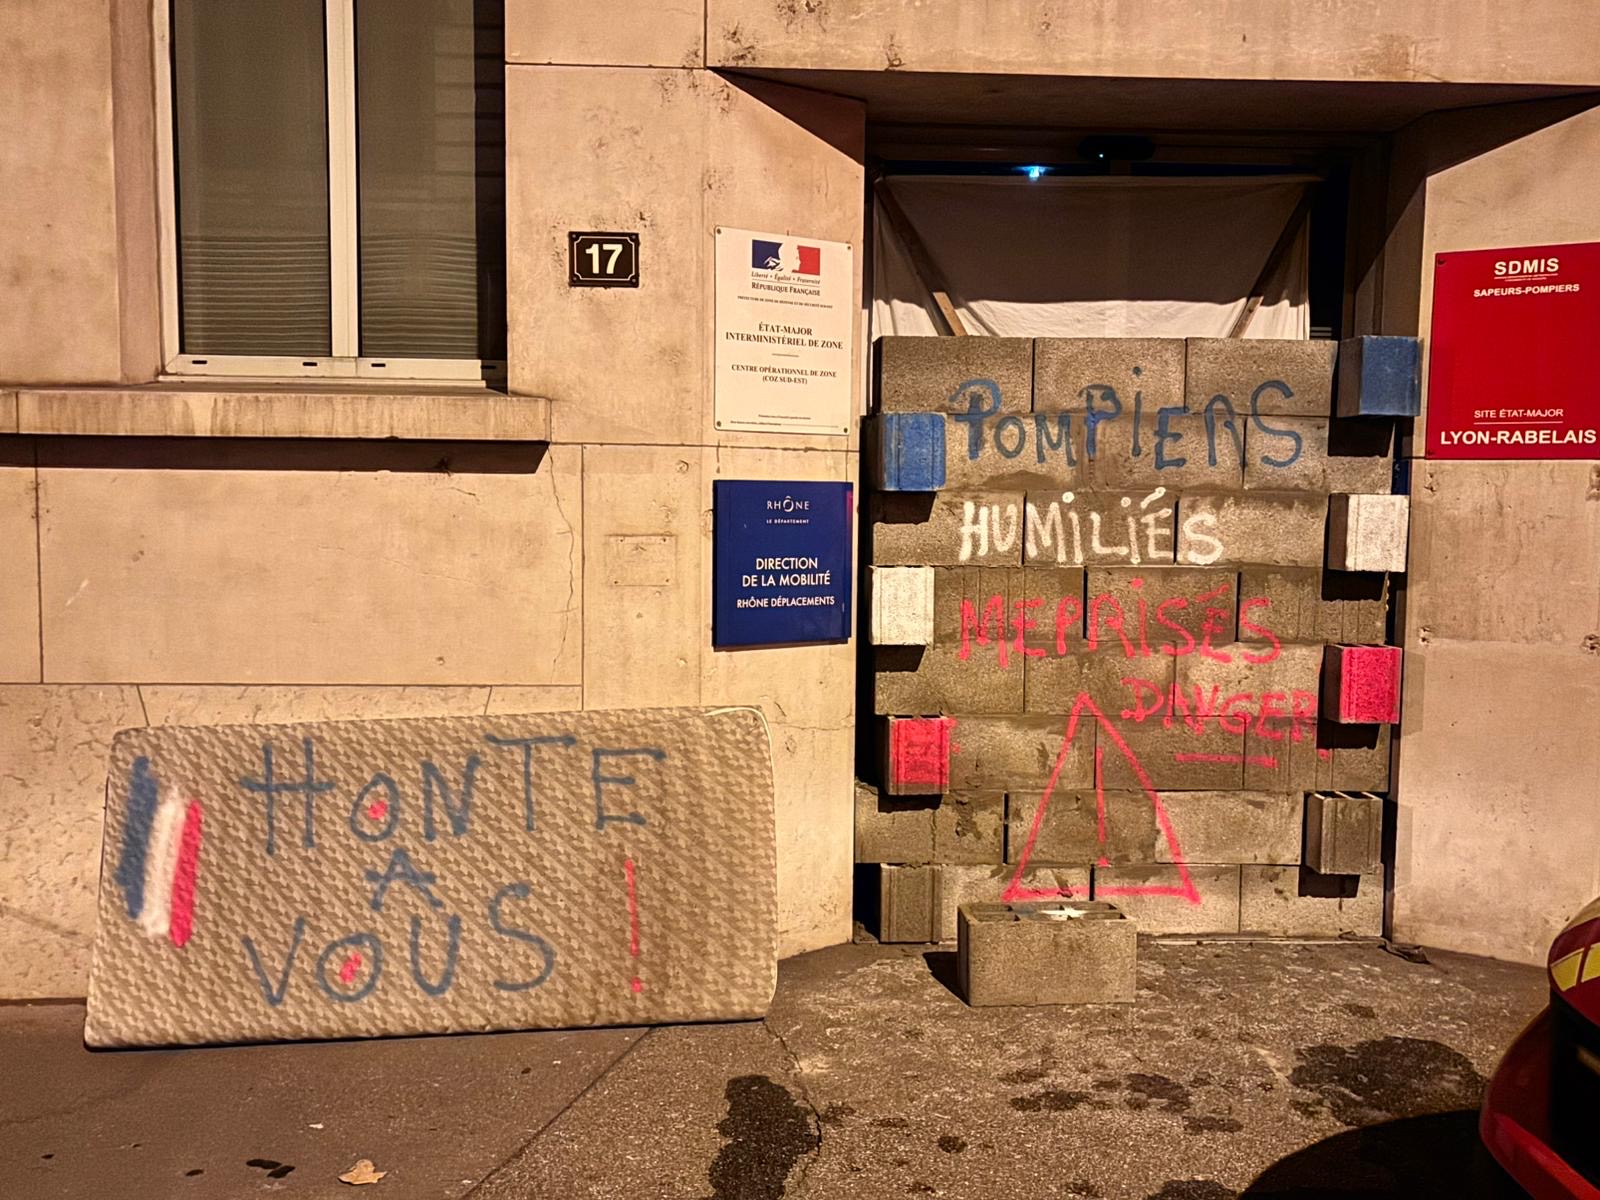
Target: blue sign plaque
783 569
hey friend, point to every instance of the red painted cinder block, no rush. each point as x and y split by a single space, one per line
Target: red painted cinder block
919 755
1361 684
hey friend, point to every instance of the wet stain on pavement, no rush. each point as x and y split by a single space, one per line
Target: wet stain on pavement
1386 1078
836 1113
767 1132
1024 1075
1209 1124
951 1144
274 1170
1143 1090
1055 1100
891 1123
1365 1011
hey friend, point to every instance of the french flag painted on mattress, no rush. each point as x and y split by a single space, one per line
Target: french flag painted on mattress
160 859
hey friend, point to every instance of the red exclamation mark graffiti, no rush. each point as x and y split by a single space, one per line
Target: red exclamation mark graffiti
633 921
1100 807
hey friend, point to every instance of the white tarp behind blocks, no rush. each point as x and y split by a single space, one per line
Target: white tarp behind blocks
1100 257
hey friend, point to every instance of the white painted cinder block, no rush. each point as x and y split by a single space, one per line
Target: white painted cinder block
902 606
1368 533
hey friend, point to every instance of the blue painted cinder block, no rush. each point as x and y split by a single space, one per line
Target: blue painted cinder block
1379 377
911 451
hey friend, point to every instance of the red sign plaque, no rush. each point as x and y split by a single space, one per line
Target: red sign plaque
1514 356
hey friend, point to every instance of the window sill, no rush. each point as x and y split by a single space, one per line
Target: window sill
300 410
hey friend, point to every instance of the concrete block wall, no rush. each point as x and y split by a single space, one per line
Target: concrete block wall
1135 617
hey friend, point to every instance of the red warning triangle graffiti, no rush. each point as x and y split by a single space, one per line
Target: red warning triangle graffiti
1183 890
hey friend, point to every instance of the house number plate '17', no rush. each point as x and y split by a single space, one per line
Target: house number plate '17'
603 259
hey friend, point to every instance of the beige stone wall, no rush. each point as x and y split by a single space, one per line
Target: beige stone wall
1414 41
1499 758
212 579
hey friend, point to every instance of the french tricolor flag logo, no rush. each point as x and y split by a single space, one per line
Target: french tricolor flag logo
159 865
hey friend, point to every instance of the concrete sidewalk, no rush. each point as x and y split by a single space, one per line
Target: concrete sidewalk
1244 1069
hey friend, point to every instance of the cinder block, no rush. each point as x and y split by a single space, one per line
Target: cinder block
1288 901
970 828
1302 604
1115 684
1295 454
902 605
1075 829
918 755
1253 528
1359 756
907 451
909 904
1111 376
954 374
935 680
1379 377
1167 446
1232 827
1262 671
1288 761
1054 952
946 528
1014 452
1367 533
1171 611
1344 833
1019 753
1282 377
1109 528
1153 895
988 884
1361 684
1187 755
891 829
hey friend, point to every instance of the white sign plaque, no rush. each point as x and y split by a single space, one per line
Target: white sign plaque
785 333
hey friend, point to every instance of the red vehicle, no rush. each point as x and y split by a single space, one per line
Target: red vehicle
1541 1112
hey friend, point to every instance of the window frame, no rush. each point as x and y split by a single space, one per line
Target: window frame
344 262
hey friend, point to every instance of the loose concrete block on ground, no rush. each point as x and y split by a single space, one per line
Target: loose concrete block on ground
892 829
1280 376
1344 833
946 528
984 884
1251 529
945 374
1153 895
1060 952
1288 901
1361 684
970 827
902 605
1379 377
1367 532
